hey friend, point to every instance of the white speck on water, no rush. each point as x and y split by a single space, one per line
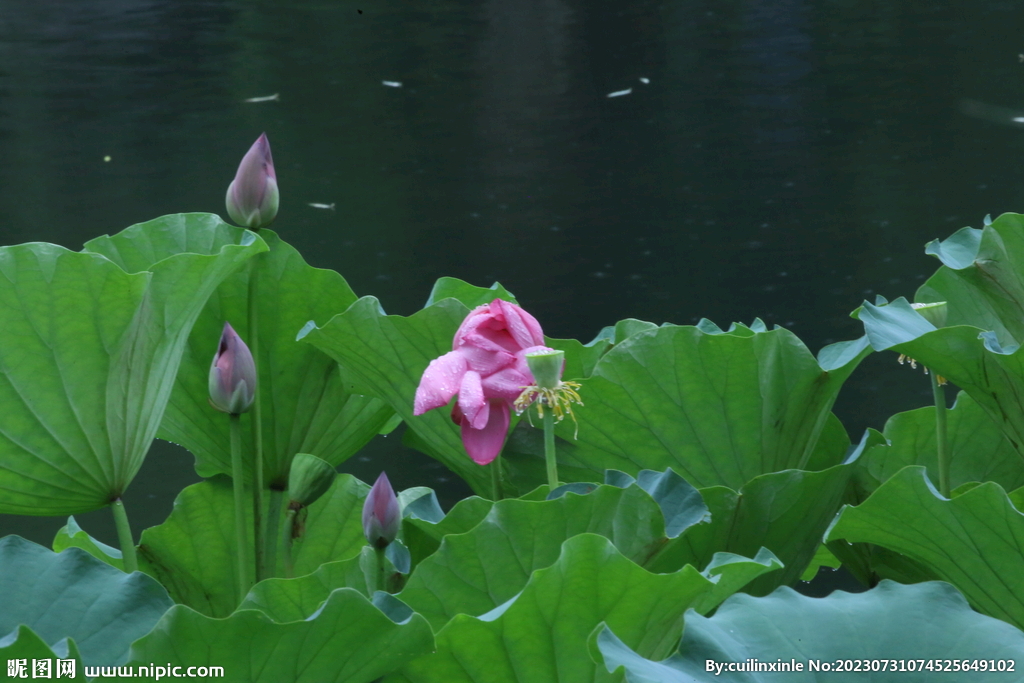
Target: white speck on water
620 93
276 97
392 84
645 81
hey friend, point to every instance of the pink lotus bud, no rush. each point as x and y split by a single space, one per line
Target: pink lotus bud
232 374
381 514
252 196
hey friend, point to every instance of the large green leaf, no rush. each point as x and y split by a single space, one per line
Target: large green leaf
786 512
74 595
478 570
307 406
423 537
719 408
880 634
978 449
348 640
297 599
975 541
89 358
982 278
540 634
968 356
193 553
387 354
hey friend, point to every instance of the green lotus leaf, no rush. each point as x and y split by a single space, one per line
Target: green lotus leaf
420 502
73 595
580 359
387 354
307 406
540 633
285 600
719 408
470 295
972 358
193 553
887 625
974 541
681 505
982 278
476 571
978 449
823 557
786 512
89 358
22 646
73 536
423 537
348 640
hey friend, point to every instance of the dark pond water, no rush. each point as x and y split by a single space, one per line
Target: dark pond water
782 160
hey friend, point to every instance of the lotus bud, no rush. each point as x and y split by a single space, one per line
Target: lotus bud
309 478
253 197
381 514
232 374
935 313
546 367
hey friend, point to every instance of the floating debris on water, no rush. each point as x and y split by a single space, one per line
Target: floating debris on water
620 93
645 81
276 97
992 112
318 205
392 84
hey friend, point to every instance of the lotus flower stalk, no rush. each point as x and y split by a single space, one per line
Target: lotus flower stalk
547 366
232 387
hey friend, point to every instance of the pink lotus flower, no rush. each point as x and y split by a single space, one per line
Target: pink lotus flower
487 369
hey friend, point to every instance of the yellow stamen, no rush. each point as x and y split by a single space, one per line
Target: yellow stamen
560 399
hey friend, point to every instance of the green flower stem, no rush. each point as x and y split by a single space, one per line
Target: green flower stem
380 573
286 542
124 537
239 489
941 444
496 479
549 448
257 427
273 530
